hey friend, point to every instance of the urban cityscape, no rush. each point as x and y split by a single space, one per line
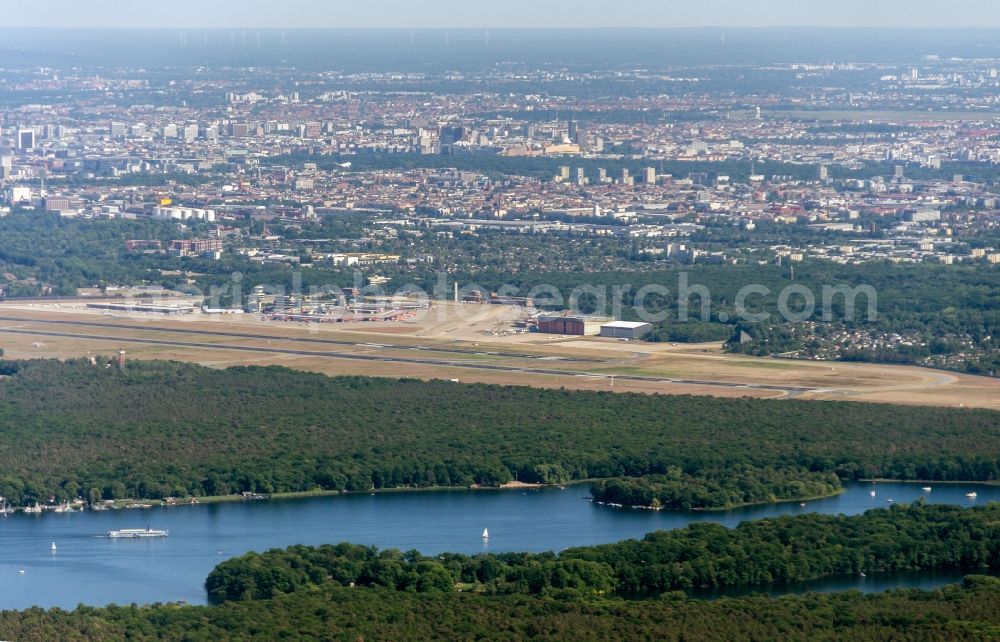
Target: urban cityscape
684 333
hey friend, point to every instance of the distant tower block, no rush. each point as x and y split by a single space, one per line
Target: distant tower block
121 359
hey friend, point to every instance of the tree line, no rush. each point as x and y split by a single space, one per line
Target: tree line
967 612
70 428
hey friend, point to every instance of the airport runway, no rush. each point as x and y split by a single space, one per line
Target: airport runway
353 344
788 390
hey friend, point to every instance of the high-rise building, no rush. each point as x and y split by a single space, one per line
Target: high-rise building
189 132
25 139
580 137
118 130
564 172
824 172
311 129
649 176
6 167
451 134
573 129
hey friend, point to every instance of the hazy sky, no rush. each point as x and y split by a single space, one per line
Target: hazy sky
498 14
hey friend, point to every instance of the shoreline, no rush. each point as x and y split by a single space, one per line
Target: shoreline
811 498
146 504
306 494
881 480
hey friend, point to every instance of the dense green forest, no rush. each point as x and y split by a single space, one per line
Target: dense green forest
260 576
170 429
970 612
701 555
716 488
44 248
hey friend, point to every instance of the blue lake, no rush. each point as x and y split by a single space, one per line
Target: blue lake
91 569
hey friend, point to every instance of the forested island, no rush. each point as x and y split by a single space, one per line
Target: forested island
701 555
72 429
716 488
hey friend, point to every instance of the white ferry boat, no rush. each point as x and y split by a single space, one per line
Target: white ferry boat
137 532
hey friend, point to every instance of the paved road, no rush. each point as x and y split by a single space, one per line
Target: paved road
240 335
790 390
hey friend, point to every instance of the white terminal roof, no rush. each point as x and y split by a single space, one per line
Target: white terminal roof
627 325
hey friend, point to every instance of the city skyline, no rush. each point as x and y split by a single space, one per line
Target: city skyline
453 14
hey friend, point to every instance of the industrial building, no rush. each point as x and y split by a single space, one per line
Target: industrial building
573 325
626 329
183 214
193 247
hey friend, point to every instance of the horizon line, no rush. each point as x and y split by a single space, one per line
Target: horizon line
502 28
